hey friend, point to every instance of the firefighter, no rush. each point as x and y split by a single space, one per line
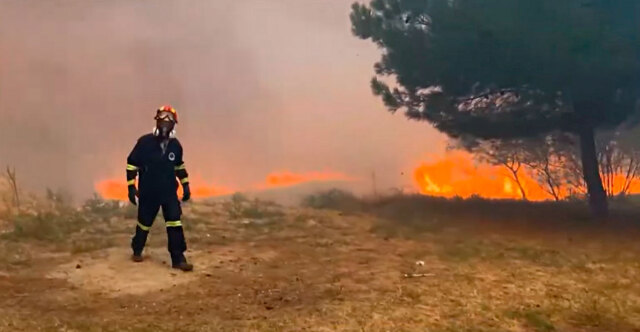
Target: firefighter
157 161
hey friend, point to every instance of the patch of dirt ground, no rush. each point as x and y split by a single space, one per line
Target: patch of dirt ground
113 274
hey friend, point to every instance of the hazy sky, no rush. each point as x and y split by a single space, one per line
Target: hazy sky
260 86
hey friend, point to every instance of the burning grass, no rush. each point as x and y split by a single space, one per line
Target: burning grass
459 174
286 178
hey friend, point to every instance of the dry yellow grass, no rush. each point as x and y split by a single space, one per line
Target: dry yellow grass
309 270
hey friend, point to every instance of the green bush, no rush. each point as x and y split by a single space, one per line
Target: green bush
47 226
413 210
241 207
334 199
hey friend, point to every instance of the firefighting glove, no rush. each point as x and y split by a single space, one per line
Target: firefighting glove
186 192
133 194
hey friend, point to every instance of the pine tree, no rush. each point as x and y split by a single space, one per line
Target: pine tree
504 69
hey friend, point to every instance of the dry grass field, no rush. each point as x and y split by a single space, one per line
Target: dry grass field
335 263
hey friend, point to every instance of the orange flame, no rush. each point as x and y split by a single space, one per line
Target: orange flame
286 178
457 175
116 189
112 189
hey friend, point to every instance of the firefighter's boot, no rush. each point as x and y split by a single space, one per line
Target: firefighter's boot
180 263
138 243
177 246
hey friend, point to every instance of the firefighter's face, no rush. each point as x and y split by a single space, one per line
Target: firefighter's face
165 123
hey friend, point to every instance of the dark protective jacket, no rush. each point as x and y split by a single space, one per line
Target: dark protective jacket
157 167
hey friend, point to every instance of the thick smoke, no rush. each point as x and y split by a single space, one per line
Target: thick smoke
260 86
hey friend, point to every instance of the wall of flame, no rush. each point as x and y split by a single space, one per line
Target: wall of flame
116 189
452 175
456 174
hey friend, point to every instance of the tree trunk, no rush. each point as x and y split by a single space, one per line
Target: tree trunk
522 192
591 174
514 173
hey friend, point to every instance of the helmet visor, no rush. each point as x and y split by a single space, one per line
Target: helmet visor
165 116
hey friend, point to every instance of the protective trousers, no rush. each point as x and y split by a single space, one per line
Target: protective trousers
172 212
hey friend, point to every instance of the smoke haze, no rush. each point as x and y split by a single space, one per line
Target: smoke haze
260 87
